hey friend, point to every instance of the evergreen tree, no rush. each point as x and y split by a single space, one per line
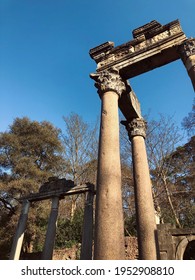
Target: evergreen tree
30 152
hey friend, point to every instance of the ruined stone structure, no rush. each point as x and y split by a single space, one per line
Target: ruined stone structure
56 189
153 45
176 244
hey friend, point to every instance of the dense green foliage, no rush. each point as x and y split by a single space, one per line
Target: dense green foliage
30 152
69 231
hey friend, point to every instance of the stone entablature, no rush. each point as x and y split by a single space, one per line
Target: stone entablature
59 188
151 41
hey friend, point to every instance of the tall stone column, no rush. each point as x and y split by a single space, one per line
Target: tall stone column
146 225
187 52
51 230
19 235
109 224
87 237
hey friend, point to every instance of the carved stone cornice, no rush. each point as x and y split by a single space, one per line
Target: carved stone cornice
187 49
153 45
136 127
109 80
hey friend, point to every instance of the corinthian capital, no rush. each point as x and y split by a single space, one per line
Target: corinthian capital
136 127
187 49
109 80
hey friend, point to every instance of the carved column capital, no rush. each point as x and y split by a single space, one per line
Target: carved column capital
109 80
187 49
187 54
136 127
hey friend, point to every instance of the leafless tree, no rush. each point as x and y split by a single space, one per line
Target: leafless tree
80 151
162 139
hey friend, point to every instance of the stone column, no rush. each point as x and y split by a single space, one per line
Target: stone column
109 224
87 237
51 230
187 52
19 235
146 225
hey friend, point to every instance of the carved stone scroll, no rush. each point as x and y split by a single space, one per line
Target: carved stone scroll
187 53
187 49
137 127
108 80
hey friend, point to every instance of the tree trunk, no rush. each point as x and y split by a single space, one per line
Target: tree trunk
170 202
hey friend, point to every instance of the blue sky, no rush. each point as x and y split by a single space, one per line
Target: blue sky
45 62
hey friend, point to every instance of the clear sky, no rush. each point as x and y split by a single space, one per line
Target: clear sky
45 62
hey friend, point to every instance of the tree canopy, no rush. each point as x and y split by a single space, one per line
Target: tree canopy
29 151
32 151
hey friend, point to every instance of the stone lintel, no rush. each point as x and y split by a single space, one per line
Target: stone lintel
154 45
182 231
61 193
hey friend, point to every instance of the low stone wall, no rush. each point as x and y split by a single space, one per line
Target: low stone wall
73 253
131 248
173 242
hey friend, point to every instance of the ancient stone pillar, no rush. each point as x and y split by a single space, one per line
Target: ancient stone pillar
87 237
187 52
109 226
146 226
19 235
51 230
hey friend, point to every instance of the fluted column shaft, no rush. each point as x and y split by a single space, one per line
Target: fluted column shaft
109 224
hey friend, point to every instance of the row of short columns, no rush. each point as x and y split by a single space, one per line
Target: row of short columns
109 223
47 254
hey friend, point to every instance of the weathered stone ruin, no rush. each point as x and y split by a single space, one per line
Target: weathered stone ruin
153 45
